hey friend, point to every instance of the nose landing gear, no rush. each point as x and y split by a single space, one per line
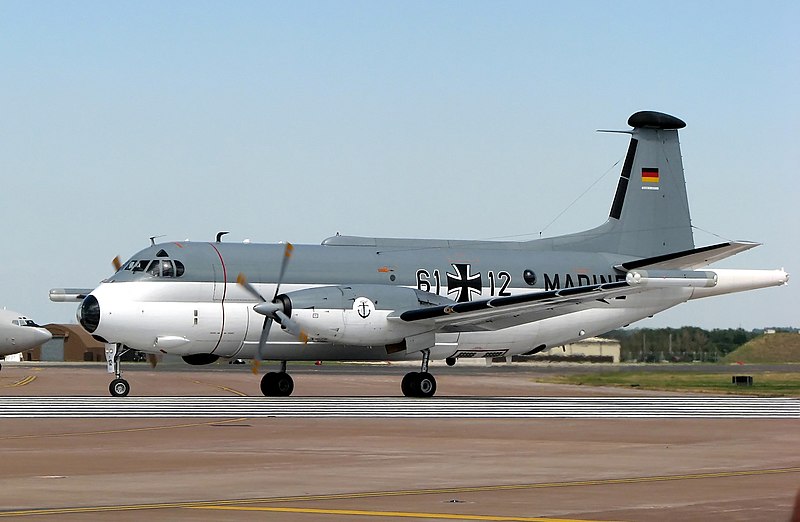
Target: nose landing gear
119 387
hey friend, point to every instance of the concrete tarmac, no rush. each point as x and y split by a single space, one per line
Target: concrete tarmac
309 469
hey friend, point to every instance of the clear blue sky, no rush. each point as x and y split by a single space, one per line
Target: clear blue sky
295 120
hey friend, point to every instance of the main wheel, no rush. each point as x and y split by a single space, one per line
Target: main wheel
284 385
119 388
268 384
407 384
425 385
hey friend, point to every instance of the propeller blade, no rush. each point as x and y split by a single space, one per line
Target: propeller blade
242 280
117 263
262 340
153 359
291 326
287 254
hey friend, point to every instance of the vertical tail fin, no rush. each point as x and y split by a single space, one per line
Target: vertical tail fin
650 213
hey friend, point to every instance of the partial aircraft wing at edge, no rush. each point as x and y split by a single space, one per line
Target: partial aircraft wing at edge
62 295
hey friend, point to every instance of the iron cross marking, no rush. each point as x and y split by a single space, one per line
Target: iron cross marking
463 283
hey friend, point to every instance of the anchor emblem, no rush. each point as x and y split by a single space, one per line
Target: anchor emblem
363 307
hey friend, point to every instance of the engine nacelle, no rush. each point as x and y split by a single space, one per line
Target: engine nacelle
358 314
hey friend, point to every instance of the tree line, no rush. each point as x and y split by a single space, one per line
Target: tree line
686 344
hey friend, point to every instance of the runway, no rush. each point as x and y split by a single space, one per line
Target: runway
204 445
401 407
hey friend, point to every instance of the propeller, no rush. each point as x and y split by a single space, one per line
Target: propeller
117 263
272 310
153 359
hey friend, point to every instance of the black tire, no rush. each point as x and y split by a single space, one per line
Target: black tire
268 384
425 385
284 384
119 388
407 384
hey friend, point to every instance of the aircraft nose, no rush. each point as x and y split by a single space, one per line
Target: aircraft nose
89 313
43 335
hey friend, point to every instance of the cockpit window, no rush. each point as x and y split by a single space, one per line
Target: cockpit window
24 321
157 267
154 268
162 253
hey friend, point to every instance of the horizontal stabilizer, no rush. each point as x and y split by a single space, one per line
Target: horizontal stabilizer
690 259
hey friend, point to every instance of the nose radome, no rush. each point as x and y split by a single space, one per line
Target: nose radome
43 335
89 313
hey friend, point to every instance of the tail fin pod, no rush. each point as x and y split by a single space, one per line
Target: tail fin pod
650 213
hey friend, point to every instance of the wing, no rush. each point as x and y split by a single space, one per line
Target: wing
496 313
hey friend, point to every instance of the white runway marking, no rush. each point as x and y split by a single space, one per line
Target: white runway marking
401 407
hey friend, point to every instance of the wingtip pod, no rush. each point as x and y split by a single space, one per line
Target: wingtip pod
655 120
676 278
738 280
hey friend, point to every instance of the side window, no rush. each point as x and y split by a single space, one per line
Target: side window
166 268
140 265
179 269
130 265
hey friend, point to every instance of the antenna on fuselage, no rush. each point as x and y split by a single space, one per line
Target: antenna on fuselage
153 239
220 234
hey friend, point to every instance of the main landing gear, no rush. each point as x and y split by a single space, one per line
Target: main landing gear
422 383
277 384
119 387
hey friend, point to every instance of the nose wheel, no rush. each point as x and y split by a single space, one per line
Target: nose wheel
119 388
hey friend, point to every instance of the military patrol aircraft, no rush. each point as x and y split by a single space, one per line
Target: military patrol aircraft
18 333
365 298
